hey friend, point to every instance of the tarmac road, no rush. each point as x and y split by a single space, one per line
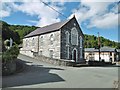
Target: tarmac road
38 74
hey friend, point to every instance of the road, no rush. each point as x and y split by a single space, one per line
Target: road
38 74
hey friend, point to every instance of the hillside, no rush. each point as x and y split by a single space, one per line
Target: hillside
17 32
91 41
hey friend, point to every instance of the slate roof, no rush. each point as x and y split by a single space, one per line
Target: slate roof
102 49
48 28
118 50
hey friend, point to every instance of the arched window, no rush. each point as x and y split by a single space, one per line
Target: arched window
68 52
51 39
33 42
74 36
26 43
41 40
81 45
51 54
81 41
40 53
67 37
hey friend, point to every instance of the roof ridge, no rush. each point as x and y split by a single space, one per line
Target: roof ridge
48 28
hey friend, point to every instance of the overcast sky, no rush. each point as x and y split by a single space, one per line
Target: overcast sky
92 16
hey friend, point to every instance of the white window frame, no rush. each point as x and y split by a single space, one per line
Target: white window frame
41 40
50 53
68 51
40 52
67 37
26 43
74 34
81 41
81 47
33 42
51 38
81 52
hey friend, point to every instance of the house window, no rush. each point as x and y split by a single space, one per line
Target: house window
26 43
51 39
81 53
67 52
67 37
51 54
110 53
40 53
81 41
74 36
41 40
33 42
81 49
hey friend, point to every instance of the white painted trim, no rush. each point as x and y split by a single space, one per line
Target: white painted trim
53 52
41 41
68 52
81 42
81 52
67 35
74 28
76 54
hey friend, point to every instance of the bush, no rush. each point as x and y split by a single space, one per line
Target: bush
10 54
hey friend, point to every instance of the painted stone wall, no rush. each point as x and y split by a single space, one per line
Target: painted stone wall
33 45
104 55
30 45
64 51
50 44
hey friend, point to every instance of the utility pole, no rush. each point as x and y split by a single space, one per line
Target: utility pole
99 45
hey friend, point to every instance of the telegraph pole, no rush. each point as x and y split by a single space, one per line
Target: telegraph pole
99 45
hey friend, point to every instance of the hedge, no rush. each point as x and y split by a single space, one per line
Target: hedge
10 54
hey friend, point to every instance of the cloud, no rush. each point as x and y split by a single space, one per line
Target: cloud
5 9
99 14
4 13
106 21
45 14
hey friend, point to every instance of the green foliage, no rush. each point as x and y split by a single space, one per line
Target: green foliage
16 32
91 41
10 54
7 33
22 30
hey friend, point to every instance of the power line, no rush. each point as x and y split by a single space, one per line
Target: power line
53 9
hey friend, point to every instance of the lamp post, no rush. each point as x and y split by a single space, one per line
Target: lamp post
99 45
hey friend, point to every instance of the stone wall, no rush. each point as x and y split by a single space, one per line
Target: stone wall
32 45
9 67
68 27
60 62
47 46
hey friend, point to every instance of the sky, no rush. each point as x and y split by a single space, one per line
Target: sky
93 16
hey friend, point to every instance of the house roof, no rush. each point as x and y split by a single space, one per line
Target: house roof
118 50
48 28
102 49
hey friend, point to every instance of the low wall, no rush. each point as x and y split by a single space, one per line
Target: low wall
99 63
60 62
9 67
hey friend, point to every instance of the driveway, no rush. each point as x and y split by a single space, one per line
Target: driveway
38 74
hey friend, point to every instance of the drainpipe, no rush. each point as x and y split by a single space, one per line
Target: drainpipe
38 44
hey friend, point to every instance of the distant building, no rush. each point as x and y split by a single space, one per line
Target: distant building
62 40
118 54
106 53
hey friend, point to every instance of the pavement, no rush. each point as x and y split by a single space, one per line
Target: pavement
37 74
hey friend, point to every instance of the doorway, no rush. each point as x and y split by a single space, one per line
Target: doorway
74 55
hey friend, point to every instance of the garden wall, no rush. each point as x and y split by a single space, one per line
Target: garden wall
60 62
